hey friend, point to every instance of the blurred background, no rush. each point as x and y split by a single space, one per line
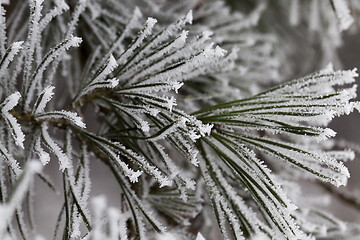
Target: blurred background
348 127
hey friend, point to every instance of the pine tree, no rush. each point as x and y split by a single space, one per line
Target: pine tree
185 103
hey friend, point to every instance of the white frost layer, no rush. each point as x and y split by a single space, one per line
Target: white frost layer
12 51
9 103
64 161
43 156
71 116
10 160
44 98
147 30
